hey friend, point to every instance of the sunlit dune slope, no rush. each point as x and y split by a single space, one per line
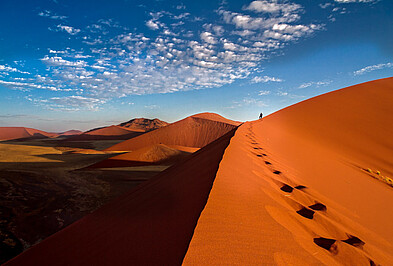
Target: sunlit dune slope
71 132
191 132
292 189
150 225
217 117
107 133
154 154
10 133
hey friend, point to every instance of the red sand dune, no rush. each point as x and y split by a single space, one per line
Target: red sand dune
11 133
150 225
71 132
144 124
259 211
290 189
107 133
216 117
192 131
149 155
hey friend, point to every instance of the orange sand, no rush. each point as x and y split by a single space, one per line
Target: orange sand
151 225
153 154
290 189
322 144
191 132
71 132
11 133
107 133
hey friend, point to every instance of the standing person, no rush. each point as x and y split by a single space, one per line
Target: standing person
260 116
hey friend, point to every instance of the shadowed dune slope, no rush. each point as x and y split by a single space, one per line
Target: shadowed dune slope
107 133
291 189
10 133
154 154
150 225
191 132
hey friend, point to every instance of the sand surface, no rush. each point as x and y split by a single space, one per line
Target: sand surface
195 132
12 133
42 189
150 225
107 133
307 185
291 188
149 155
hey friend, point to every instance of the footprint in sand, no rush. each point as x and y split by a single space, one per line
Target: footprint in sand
354 241
326 243
286 188
306 213
318 207
289 189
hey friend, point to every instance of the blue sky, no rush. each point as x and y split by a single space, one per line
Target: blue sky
82 64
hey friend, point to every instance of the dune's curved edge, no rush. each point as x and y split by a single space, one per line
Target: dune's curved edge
191 132
151 225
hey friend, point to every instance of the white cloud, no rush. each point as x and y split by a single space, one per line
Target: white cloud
59 61
208 37
355 1
282 93
50 14
152 25
195 54
372 68
313 83
76 101
271 7
325 5
26 86
265 79
5 68
262 93
69 29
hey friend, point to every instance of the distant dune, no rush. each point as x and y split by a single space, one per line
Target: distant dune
195 131
216 117
127 130
307 185
13 133
149 155
71 132
107 133
144 124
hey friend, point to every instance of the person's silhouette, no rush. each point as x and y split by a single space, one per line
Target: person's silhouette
260 116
